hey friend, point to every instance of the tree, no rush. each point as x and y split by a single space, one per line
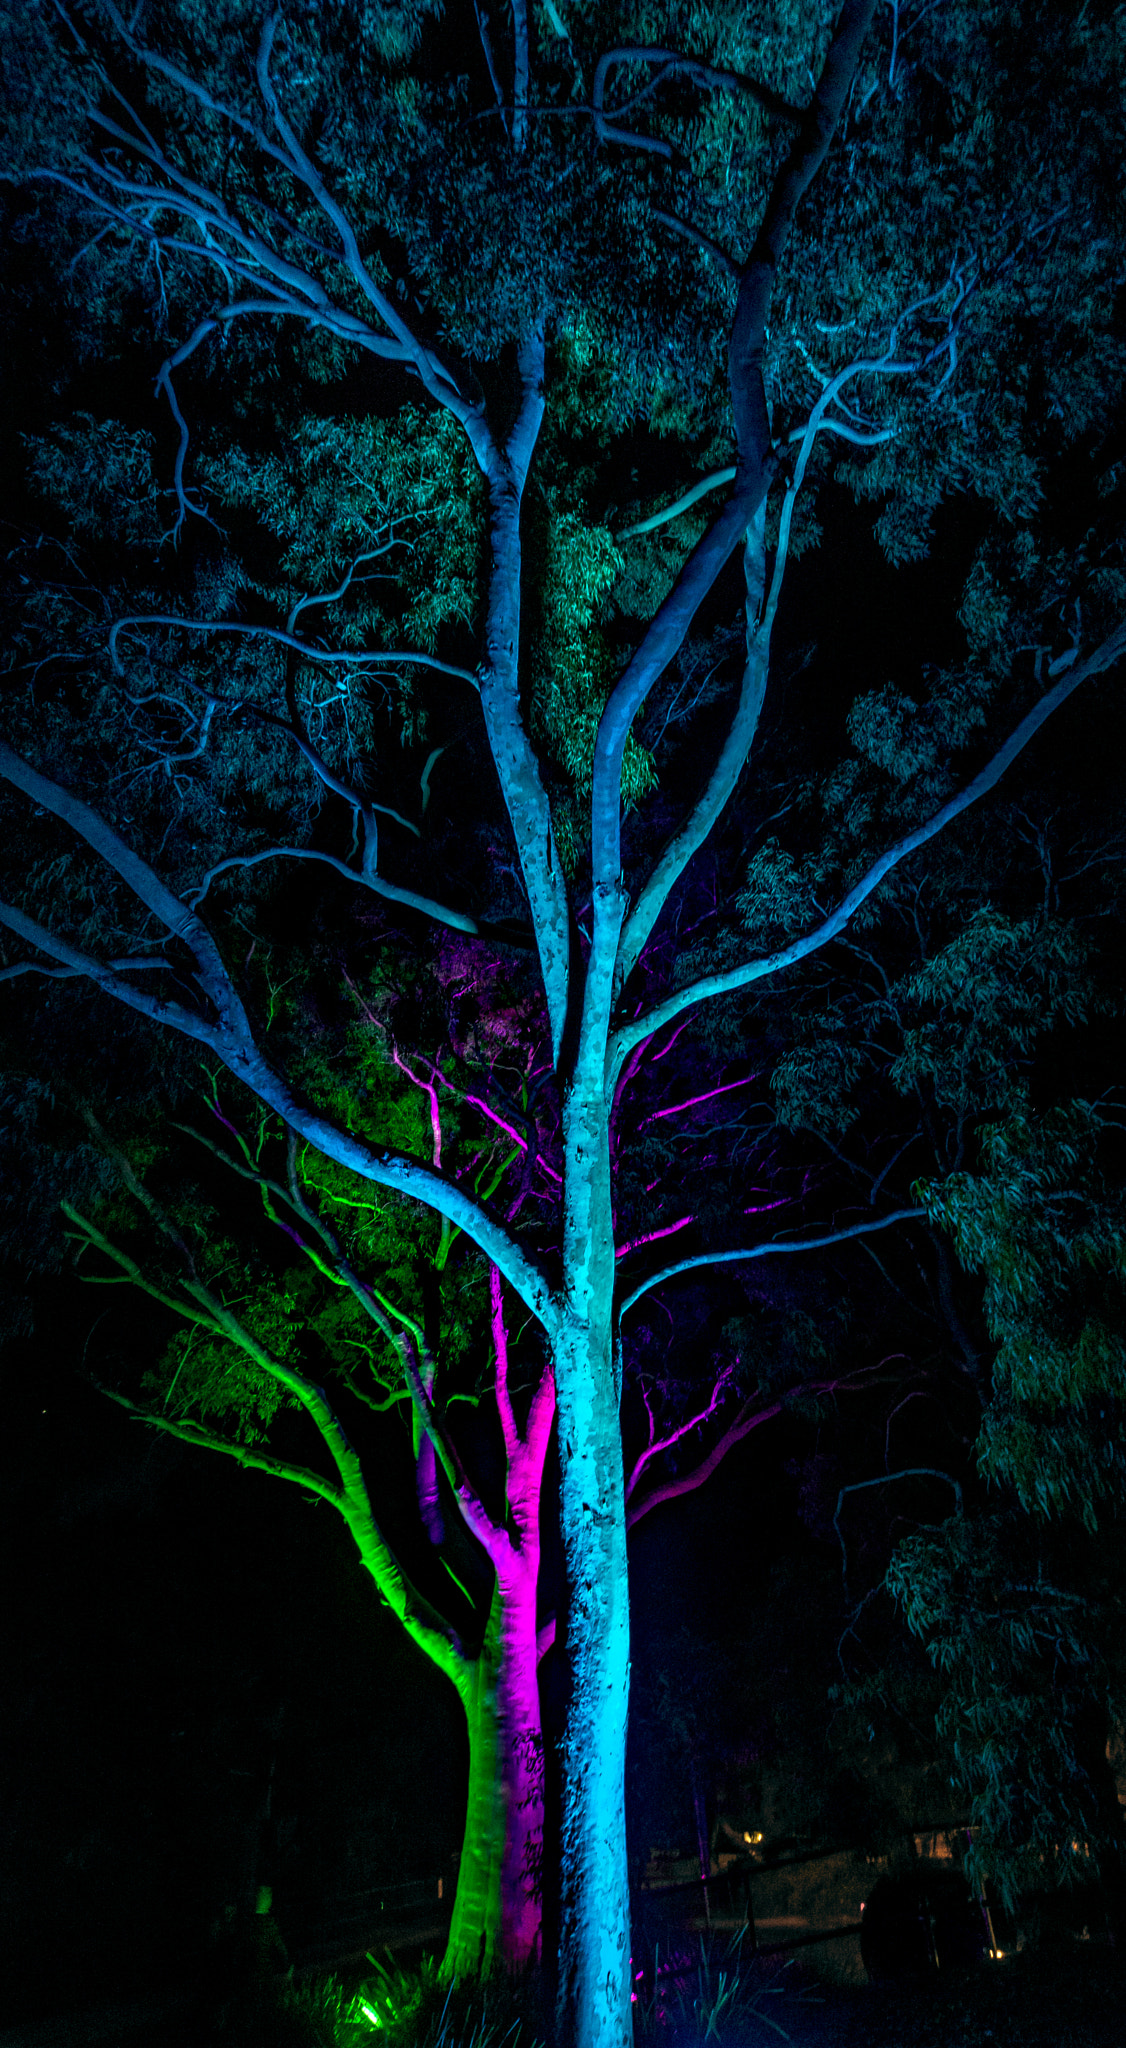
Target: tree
772 237
260 1342
1019 1604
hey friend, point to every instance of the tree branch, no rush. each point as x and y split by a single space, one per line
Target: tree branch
456 920
73 961
520 76
494 1541
351 1498
180 922
697 236
658 1445
672 64
755 466
713 482
1101 658
190 1432
439 379
517 767
887 1479
232 1039
761 608
372 657
763 1251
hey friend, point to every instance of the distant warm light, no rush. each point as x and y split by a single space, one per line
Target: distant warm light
752 1839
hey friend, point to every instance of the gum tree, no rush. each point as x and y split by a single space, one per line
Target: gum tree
432 293
1019 1604
286 1352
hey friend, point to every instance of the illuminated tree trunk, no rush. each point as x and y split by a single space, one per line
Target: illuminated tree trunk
497 1911
521 1776
475 1927
593 1992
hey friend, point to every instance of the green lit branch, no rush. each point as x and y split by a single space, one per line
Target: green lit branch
199 1305
190 1432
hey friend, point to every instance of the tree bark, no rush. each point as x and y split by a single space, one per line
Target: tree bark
592 2000
593 1988
497 1909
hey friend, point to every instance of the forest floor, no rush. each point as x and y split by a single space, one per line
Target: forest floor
1067 1997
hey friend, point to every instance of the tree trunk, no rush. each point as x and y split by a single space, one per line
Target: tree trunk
475 1926
593 2002
497 1911
593 1990
521 1773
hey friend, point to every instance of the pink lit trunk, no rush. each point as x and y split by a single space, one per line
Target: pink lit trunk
497 1912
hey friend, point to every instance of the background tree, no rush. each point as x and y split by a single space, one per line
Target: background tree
1019 1604
943 314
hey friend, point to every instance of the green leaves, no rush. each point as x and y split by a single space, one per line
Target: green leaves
974 1012
392 506
1020 1606
775 900
1046 1229
103 472
1025 1633
811 1086
200 1374
574 664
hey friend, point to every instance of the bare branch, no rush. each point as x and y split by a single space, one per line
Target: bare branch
490 60
763 1251
140 963
517 767
713 482
761 607
1101 658
888 1479
755 468
439 379
456 920
701 240
370 657
520 76
672 64
494 1540
658 1445
190 1432
231 1038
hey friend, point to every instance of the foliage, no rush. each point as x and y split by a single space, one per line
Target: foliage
1043 1219
418 2009
723 1995
1019 1604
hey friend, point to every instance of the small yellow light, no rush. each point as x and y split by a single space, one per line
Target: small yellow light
756 1837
